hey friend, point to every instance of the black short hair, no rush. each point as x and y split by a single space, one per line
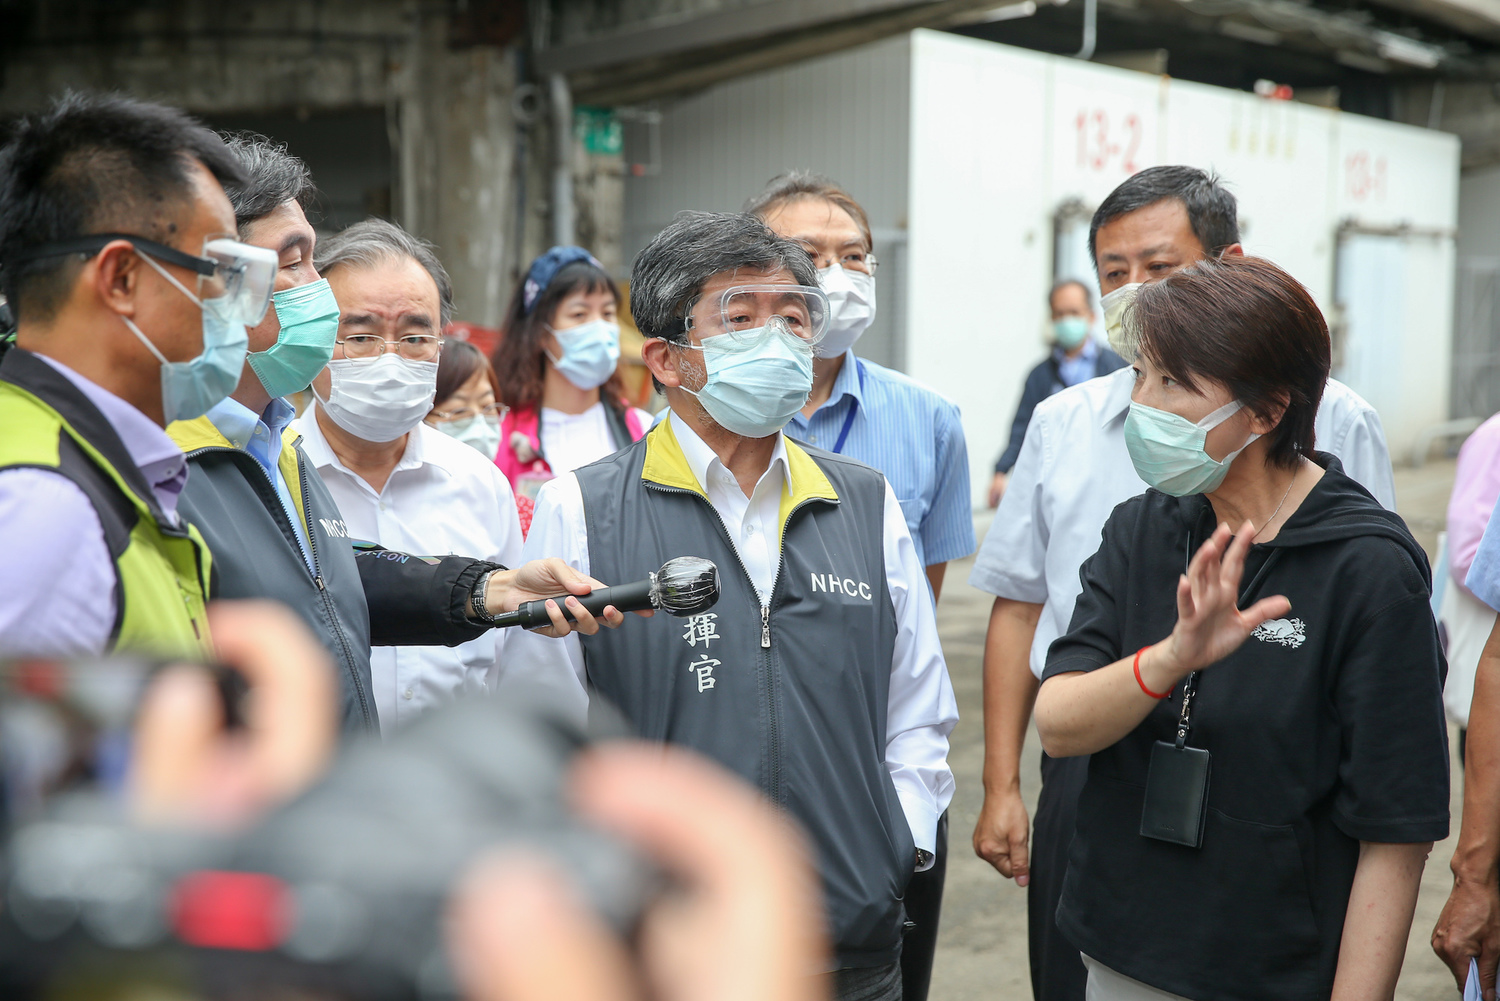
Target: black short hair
272 177
1211 209
94 164
1245 323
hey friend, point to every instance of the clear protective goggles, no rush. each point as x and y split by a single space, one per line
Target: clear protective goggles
239 278
745 311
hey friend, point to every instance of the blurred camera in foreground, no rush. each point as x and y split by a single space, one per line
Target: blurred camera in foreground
339 893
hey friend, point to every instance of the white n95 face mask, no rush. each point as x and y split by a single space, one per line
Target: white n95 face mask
851 308
380 399
1122 341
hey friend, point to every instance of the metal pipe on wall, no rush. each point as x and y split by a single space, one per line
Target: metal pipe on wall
1090 29
562 159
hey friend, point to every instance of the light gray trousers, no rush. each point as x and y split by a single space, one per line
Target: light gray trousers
1107 985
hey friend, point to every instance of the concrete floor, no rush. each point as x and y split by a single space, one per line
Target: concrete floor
982 942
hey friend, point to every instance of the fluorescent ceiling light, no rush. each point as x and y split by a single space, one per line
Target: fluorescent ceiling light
1399 48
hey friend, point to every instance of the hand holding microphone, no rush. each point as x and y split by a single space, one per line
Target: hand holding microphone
683 586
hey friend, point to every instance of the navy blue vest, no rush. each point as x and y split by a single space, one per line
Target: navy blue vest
792 696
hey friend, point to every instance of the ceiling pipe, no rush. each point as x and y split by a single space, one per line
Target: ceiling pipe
1090 29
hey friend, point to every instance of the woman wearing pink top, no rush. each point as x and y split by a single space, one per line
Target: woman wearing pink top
556 363
1466 619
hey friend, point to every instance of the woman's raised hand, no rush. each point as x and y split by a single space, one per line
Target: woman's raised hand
1210 626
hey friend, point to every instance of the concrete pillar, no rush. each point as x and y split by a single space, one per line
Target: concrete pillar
599 187
456 162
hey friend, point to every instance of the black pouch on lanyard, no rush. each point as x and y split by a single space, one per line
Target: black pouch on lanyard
1177 783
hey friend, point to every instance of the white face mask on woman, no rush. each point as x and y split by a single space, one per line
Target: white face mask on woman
379 399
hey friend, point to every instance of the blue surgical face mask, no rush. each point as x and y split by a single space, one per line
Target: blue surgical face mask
1069 332
309 318
757 379
192 388
590 352
1167 450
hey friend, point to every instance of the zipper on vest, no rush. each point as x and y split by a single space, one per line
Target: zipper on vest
312 545
773 721
310 554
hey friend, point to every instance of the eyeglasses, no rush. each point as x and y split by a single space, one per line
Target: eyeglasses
495 410
412 347
854 260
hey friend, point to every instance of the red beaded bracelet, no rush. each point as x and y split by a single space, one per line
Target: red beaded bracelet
1142 683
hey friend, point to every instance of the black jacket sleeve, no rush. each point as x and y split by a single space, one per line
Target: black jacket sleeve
1037 388
419 600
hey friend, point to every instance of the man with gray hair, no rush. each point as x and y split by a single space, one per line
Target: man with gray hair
399 483
274 530
817 676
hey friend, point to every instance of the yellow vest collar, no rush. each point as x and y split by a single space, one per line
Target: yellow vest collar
196 433
667 465
805 481
200 432
665 462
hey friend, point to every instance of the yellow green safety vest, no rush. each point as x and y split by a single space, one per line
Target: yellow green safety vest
162 571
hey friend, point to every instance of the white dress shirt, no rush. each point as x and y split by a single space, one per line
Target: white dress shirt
442 499
57 593
921 709
1074 469
574 440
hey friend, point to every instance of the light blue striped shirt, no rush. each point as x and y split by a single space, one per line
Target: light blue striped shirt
911 434
259 436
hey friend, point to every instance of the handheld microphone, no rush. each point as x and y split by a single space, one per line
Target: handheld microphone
685 586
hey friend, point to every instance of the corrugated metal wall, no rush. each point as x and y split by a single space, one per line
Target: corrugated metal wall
846 115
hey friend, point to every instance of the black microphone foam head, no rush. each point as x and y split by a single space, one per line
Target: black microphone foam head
687 585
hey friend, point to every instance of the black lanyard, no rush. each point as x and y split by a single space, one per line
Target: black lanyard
1190 687
1185 719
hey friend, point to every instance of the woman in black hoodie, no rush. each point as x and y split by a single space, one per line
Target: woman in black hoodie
1263 705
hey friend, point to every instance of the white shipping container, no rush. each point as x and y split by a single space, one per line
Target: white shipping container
1007 152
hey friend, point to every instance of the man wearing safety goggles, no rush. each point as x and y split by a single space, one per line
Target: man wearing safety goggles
817 675
291 542
131 300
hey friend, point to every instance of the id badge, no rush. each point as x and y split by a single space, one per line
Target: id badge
530 484
1176 794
